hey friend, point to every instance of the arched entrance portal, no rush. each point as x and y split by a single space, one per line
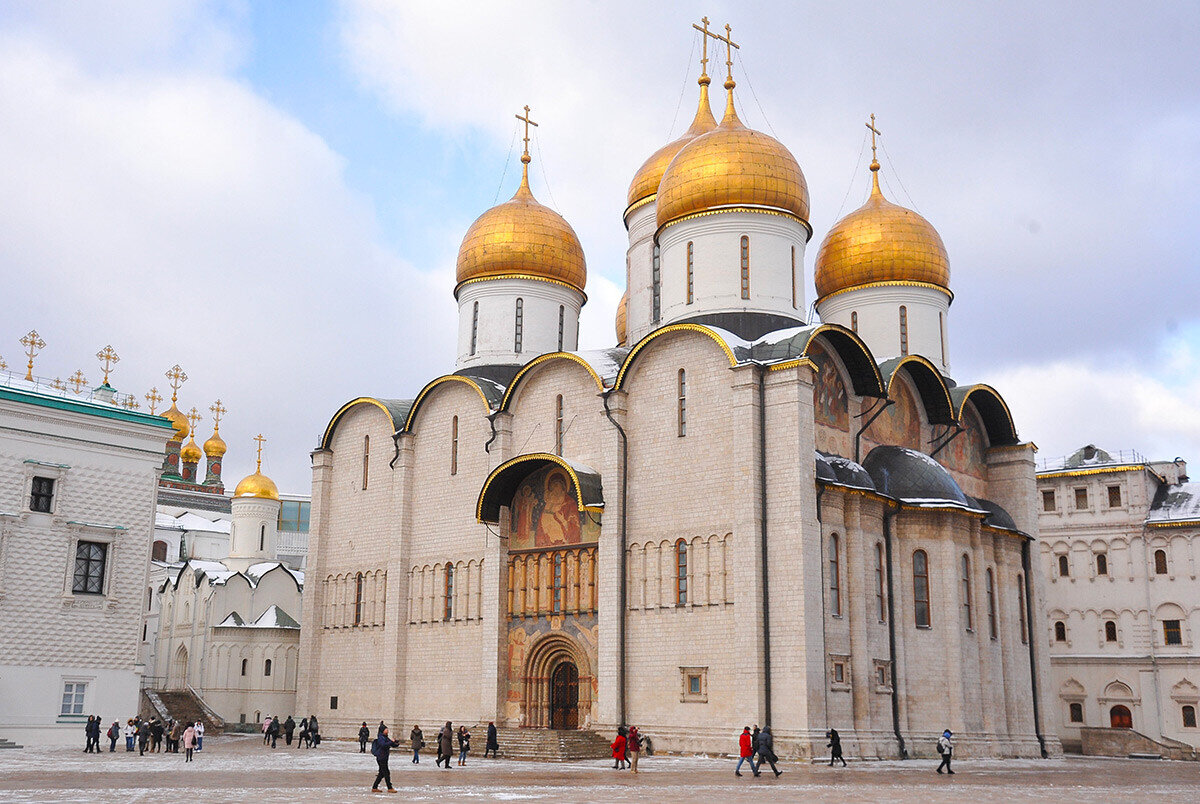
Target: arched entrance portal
564 696
1120 718
557 684
179 669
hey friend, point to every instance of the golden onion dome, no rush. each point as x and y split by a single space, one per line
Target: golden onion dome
215 447
257 485
190 452
622 313
175 416
522 238
646 180
732 166
880 242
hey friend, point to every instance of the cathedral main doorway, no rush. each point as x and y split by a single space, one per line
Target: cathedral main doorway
564 697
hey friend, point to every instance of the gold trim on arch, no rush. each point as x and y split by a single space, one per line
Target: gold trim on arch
737 208
788 364
534 456
533 277
447 378
1102 470
924 361
858 342
512 386
666 331
1012 425
899 283
362 400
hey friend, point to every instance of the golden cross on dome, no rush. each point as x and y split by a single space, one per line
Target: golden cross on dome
703 44
218 410
33 343
525 157
78 380
154 397
874 131
176 378
108 358
259 438
58 384
729 46
193 418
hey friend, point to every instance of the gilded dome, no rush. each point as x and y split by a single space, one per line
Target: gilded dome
215 447
732 166
175 416
519 237
880 242
190 452
646 180
257 485
622 313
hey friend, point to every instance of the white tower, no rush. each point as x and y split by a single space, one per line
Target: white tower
521 275
255 527
883 272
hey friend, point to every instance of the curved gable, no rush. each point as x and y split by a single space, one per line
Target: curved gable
992 409
396 410
488 393
623 374
536 365
930 385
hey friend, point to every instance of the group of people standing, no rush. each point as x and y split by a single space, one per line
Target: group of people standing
446 738
309 736
148 734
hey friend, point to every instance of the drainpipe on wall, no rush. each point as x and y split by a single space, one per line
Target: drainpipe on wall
858 436
888 516
766 596
621 561
1037 717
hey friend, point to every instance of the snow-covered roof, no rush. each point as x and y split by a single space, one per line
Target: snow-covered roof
273 617
177 519
256 571
1175 504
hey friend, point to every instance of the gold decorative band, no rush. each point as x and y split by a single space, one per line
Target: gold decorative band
902 283
533 277
783 213
1102 470
639 204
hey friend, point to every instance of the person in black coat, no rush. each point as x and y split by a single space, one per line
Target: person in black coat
765 748
835 747
364 734
493 742
382 748
289 728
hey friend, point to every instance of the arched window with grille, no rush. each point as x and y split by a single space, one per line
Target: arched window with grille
681 567
366 460
474 326
1060 631
448 593
854 320
558 425
1110 631
267 667
1160 562
691 273
880 599
1064 566
835 580
1101 564
358 598
519 327
968 614
903 330
454 446
991 603
245 666
682 398
745 267
921 589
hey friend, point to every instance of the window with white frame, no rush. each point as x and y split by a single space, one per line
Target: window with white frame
72 697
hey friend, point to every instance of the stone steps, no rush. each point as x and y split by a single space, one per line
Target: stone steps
548 745
8 744
183 705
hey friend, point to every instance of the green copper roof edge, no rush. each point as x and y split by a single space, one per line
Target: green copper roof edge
80 407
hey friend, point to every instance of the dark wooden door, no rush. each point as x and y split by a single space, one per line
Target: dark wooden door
564 697
1120 718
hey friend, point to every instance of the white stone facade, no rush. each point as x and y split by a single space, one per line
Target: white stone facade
488 314
72 578
875 313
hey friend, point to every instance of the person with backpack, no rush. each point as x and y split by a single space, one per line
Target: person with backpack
835 747
381 749
114 731
633 745
766 751
745 751
945 747
364 734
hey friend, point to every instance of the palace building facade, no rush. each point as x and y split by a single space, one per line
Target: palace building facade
732 515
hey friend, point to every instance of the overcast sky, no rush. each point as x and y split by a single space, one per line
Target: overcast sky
273 194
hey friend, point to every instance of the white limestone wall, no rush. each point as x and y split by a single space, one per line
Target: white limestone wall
716 265
495 340
639 264
255 522
878 311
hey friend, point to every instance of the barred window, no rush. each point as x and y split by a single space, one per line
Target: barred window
854 320
903 330
656 286
41 495
682 403
991 602
454 446
448 602
562 313
1110 631
1060 631
1160 562
1101 564
966 592
1064 567
558 425
745 267
1021 609
880 600
691 276
795 303
681 573
474 326
921 588
267 667
358 599
366 459
835 586
90 559
519 329
942 333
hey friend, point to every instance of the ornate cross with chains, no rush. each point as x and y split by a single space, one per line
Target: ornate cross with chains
108 358
218 410
154 397
33 343
78 380
176 377
528 123
193 418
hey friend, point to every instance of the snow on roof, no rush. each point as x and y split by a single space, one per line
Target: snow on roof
605 362
234 620
273 617
1179 503
256 571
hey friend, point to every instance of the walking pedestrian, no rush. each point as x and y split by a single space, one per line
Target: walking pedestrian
381 749
190 738
289 729
274 730
493 742
314 733
945 747
618 749
130 734
303 732
87 736
464 744
418 742
633 744
745 751
199 727
835 747
266 730
114 731
445 744
364 734
766 751
143 736
754 744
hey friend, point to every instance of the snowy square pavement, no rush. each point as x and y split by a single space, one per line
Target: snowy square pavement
239 768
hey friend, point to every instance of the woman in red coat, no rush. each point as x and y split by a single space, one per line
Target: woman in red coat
745 751
618 750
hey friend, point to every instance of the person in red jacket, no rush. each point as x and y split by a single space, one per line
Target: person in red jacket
746 751
618 750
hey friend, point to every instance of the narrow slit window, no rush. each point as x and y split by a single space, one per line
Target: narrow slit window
681 573
835 585
745 267
262 538
966 593
562 316
558 425
880 600
358 598
921 588
942 333
1021 610
656 286
560 583
795 303
691 276
366 460
519 327
1064 567
267 667
903 330
854 320
682 403
454 446
448 594
991 603
474 326
1101 564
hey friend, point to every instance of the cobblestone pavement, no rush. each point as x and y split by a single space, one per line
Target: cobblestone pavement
238 768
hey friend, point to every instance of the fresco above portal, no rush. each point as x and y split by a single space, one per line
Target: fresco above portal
545 513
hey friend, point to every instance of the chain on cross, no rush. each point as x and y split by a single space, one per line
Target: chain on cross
193 418
33 344
108 358
528 122
176 377
874 132
154 397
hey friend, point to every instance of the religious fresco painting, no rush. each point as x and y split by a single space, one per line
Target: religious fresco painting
900 424
525 633
966 455
545 513
831 404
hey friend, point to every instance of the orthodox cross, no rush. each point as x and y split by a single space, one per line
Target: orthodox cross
108 358
177 378
78 380
33 343
193 417
528 123
154 397
3 365
874 131
58 384
130 403
703 45
259 438
218 410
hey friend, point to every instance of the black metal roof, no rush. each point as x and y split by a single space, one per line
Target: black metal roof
912 477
